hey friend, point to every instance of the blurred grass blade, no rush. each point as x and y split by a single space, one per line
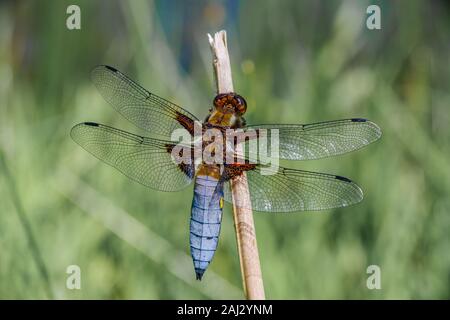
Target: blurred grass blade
34 248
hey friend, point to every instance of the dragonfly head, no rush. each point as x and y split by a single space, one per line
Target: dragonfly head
230 103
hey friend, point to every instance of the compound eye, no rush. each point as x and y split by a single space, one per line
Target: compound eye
220 100
240 105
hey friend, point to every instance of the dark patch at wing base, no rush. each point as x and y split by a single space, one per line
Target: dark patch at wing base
186 122
187 168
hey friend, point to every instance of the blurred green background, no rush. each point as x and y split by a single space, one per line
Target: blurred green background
295 62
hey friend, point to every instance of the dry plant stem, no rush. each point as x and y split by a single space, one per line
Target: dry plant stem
243 217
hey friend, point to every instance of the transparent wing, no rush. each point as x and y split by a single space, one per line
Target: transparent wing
144 109
145 160
290 190
320 140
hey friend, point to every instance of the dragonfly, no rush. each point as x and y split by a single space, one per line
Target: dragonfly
149 159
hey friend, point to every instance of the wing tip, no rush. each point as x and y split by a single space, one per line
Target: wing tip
74 129
373 126
98 69
356 188
377 130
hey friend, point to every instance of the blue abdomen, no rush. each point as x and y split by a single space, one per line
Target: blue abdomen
206 217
